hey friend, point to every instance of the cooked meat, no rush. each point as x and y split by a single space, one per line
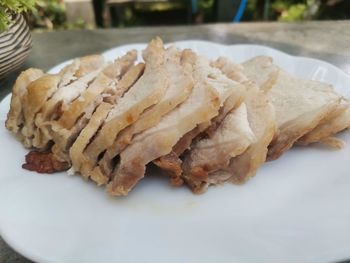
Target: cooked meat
233 101
65 130
38 99
261 71
56 105
180 87
172 162
336 122
174 169
97 119
76 151
63 139
15 118
230 139
230 69
147 91
88 64
43 162
211 90
300 105
105 81
204 123
78 68
234 72
261 117
333 142
125 83
38 92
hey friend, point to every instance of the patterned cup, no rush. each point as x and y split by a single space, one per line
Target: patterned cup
15 45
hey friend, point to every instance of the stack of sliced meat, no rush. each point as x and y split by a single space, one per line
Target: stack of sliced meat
203 122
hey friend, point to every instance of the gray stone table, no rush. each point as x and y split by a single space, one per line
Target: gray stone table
329 41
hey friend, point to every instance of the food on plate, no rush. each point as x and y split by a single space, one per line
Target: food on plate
49 95
15 118
211 89
230 139
171 162
335 122
73 119
203 122
178 90
147 91
240 167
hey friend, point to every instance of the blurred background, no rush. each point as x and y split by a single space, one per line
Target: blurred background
89 14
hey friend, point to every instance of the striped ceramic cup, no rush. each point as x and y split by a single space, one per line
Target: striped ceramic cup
15 45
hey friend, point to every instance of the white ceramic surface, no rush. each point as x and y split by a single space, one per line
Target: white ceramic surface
295 210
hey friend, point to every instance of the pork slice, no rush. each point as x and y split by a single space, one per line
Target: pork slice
54 107
262 71
37 94
334 123
232 137
172 163
180 87
63 138
230 69
147 91
78 68
105 81
67 128
100 114
333 142
43 162
300 105
209 93
15 119
233 101
128 80
76 151
88 64
40 93
261 118
98 118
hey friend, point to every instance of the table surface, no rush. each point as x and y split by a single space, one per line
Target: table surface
327 40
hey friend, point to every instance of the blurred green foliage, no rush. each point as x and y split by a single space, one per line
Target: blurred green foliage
257 10
8 8
297 10
294 13
289 11
51 14
139 13
202 4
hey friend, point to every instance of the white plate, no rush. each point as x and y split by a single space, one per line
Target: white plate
295 210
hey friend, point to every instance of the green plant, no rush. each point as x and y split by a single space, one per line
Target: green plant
49 14
296 10
8 8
